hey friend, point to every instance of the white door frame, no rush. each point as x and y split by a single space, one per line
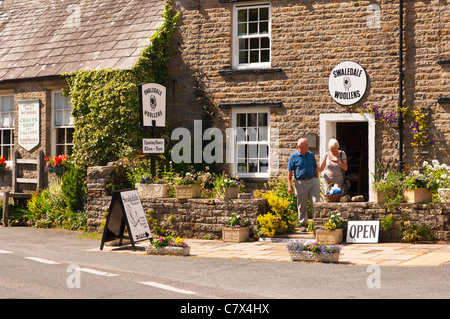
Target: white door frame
328 131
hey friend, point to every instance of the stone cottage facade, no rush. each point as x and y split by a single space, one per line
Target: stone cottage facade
263 67
42 40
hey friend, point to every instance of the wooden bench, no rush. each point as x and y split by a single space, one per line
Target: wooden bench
16 180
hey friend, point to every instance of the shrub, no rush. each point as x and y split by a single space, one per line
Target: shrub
73 189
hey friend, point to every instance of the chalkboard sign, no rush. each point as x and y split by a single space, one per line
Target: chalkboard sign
126 211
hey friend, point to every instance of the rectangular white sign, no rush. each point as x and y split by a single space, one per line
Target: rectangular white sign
139 228
364 231
153 145
29 124
153 104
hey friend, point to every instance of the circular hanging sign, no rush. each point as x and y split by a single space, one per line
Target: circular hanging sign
347 83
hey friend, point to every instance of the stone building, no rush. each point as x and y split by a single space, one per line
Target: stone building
264 67
42 40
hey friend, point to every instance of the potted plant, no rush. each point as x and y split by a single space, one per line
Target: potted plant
152 187
57 164
441 174
187 185
168 246
334 231
2 164
236 230
387 187
226 187
302 251
416 187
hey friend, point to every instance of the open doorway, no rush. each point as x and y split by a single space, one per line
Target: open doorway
353 139
356 135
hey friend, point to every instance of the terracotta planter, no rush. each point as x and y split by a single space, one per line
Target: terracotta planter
230 193
444 195
235 234
418 195
188 191
152 190
327 237
168 250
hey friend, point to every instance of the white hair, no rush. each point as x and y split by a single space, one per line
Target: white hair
333 143
301 140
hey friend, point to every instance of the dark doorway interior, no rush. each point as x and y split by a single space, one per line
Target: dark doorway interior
353 139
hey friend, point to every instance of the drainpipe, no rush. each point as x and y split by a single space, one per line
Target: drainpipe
400 88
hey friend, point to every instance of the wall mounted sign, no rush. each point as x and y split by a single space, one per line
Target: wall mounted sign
153 104
126 210
29 127
347 83
365 231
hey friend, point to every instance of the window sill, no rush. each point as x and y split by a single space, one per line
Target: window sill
250 71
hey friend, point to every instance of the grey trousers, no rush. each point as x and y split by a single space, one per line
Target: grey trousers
305 189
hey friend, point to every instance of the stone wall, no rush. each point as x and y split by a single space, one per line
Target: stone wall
436 217
193 218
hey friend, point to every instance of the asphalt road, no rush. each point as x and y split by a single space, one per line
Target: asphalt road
55 264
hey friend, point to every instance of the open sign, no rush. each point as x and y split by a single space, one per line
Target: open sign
366 231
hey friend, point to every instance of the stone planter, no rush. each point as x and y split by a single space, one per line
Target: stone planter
327 237
235 234
418 195
188 191
303 256
379 197
152 190
330 258
230 193
444 195
168 250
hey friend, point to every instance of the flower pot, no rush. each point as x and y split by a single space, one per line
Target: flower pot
303 256
188 191
328 258
152 190
57 169
168 250
444 195
417 195
235 234
229 193
379 197
2 169
328 237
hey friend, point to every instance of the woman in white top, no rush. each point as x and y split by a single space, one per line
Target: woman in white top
333 164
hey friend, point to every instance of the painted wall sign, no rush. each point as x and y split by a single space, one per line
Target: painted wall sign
347 83
29 128
364 231
153 145
153 104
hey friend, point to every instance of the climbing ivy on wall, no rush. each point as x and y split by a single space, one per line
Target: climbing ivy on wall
105 103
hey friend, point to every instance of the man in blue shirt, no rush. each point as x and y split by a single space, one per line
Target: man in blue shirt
303 166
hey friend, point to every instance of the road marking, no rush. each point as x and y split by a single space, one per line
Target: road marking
44 261
6 252
166 287
97 272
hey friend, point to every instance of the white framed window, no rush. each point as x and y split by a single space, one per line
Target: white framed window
7 126
251 141
62 124
251 36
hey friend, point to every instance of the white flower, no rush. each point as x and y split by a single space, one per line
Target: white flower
444 176
415 172
425 164
331 216
436 167
435 162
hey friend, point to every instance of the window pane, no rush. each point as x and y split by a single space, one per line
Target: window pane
264 151
243 44
263 166
241 151
253 15
6 120
6 136
59 121
264 27
265 56
251 134
253 28
240 134
252 153
242 15
254 56
241 120
60 149
254 43
262 134
243 57
265 43
262 119
252 119
264 14
6 104
69 136
242 167
58 101
242 28
60 136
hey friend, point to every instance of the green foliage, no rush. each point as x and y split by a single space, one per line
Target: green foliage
74 190
105 103
414 232
387 222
